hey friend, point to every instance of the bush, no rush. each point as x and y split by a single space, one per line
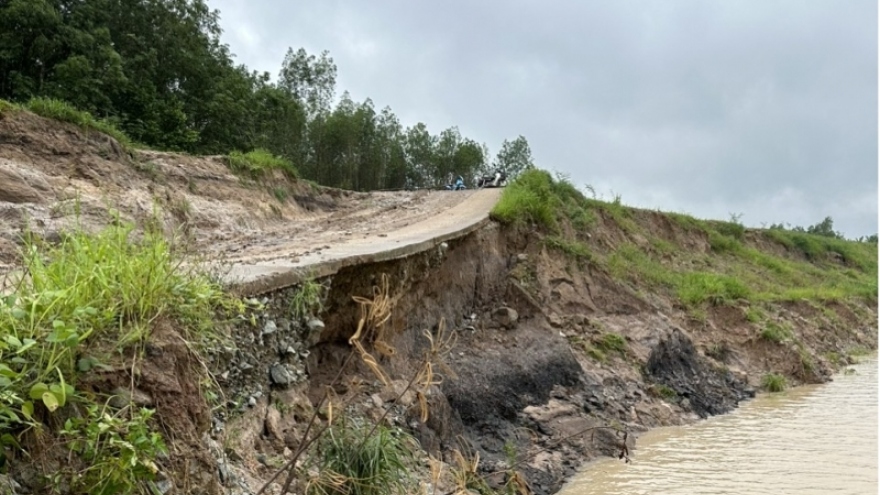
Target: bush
354 459
65 112
698 287
259 162
531 197
773 382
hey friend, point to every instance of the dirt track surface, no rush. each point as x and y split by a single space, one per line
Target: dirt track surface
391 226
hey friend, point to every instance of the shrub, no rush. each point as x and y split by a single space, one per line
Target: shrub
65 112
773 382
259 162
354 459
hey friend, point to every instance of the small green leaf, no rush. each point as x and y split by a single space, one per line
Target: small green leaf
50 401
28 410
38 390
28 343
59 392
56 324
13 341
5 382
18 313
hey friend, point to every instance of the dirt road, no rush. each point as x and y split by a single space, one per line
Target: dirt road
321 246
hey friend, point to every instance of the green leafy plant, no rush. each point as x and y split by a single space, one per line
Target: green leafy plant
775 332
119 451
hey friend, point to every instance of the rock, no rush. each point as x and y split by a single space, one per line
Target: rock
245 366
223 472
270 327
316 328
555 320
9 486
521 257
393 391
280 375
122 397
272 424
506 317
164 486
377 400
252 401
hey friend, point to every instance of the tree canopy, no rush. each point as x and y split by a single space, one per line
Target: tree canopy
157 70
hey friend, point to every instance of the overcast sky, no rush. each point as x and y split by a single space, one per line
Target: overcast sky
756 107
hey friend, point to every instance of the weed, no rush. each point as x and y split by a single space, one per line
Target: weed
280 194
699 287
754 315
721 243
775 332
120 452
308 300
611 342
65 112
354 459
259 162
662 391
773 382
577 250
7 107
687 222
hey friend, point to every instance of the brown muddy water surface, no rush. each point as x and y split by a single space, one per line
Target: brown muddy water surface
818 439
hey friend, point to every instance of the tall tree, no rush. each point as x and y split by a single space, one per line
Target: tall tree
514 156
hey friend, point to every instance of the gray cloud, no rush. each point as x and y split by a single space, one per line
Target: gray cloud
761 107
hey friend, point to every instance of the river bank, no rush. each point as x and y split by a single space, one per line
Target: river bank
813 439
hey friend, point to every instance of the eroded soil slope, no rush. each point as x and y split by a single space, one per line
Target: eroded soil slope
54 174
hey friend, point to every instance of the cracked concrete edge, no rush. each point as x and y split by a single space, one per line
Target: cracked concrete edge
287 277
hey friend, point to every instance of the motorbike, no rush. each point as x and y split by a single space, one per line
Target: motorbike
497 180
458 185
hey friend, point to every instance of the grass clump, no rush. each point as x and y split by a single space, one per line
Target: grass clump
529 198
65 112
8 107
354 459
773 382
663 392
575 249
775 332
611 342
308 300
721 243
699 287
260 162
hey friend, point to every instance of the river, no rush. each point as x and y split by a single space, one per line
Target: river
818 439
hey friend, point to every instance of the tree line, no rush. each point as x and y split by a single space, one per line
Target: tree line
157 70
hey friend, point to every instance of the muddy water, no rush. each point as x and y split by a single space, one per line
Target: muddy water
811 440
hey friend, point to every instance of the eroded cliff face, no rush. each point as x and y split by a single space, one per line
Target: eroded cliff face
551 349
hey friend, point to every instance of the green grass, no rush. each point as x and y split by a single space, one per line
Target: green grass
774 332
575 249
530 198
354 461
773 382
663 392
721 243
7 107
699 287
611 342
89 296
65 112
259 162
308 299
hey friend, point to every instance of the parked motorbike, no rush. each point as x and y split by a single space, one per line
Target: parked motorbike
458 185
497 180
